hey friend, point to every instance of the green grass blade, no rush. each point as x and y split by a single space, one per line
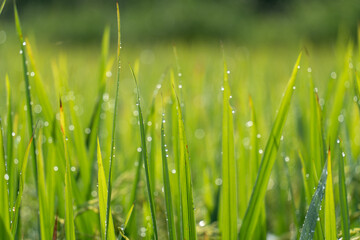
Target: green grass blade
112 151
4 197
2 6
15 217
269 157
312 215
187 218
229 203
128 216
102 191
338 97
145 160
330 220
45 214
38 85
167 187
343 201
69 211
27 92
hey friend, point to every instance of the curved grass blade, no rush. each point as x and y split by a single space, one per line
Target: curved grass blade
228 225
2 6
312 215
69 212
343 201
269 157
187 218
330 219
102 189
145 159
122 230
4 197
167 187
112 151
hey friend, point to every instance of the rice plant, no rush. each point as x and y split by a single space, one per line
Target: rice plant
201 152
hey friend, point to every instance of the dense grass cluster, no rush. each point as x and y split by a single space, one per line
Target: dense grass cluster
203 154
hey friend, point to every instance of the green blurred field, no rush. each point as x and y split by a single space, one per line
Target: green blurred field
68 61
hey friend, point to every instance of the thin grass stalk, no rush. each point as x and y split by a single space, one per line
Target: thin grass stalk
112 151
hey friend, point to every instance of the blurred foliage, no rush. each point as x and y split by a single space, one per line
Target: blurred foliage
247 22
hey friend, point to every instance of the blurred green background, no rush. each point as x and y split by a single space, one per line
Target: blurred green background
156 21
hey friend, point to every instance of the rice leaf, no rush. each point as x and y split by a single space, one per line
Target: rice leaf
27 91
312 215
122 230
69 211
2 6
167 187
16 211
187 218
267 162
228 225
4 197
102 191
343 200
45 214
338 97
330 219
145 159
112 151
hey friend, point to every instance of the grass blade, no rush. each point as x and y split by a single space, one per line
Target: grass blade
145 159
112 151
167 187
228 225
269 157
312 215
2 6
343 201
330 220
4 197
187 218
122 230
45 214
102 189
15 217
27 91
69 212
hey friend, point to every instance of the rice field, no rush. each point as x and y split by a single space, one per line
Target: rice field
178 141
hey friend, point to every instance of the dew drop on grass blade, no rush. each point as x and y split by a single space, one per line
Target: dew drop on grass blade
330 220
112 151
312 215
102 191
167 187
267 162
145 159
228 225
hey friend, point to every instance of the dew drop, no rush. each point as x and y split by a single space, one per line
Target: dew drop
6 176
